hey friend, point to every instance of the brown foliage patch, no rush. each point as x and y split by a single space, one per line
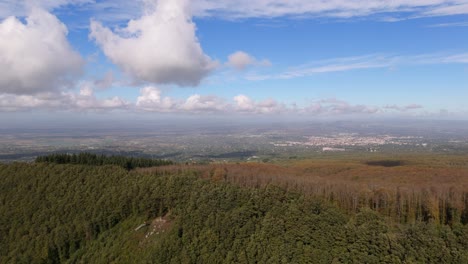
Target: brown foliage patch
426 188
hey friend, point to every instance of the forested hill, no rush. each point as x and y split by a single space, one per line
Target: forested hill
62 213
98 160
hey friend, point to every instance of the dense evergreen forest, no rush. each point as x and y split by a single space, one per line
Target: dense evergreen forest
72 213
98 160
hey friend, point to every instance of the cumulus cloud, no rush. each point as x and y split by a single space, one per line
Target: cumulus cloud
36 56
83 101
160 47
245 104
13 102
240 60
150 99
198 103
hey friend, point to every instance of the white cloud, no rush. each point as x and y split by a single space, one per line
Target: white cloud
13 102
454 24
197 103
330 65
83 101
438 58
361 63
160 47
334 106
150 99
318 8
53 4
324 107
240 60
87 101
36 56
22 7
245 104
458 58
330 107
447 10
122 10
405 108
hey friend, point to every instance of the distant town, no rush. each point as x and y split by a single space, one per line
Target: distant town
240 142
342 141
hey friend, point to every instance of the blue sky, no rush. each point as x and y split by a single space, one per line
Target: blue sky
303 58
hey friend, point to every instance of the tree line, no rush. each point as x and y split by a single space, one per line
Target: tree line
85 158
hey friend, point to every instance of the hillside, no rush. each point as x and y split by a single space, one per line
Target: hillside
65 213
405 188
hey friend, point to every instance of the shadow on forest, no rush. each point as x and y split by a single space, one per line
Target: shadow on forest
386 163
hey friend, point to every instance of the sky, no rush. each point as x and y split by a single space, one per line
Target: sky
205 58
